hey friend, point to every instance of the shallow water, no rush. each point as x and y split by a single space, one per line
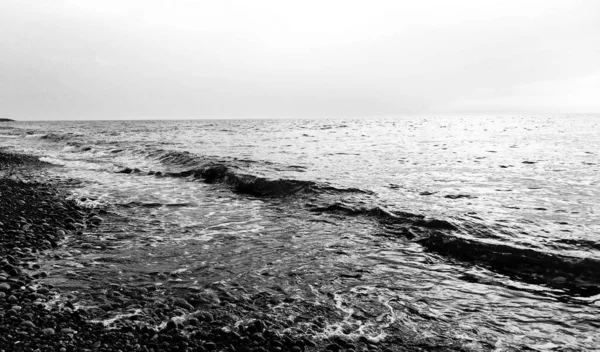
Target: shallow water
505 189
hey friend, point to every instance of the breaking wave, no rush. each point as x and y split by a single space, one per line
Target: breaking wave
575 275
463 241
185 164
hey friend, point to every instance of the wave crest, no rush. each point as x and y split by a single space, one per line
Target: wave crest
256 185
580 276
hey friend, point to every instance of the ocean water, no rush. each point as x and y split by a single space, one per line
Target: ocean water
483 230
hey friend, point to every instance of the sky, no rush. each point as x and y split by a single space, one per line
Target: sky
161 59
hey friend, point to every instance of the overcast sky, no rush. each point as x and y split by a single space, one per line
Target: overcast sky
127 59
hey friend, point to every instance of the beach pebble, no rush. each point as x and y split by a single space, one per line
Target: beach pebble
257 336
48 331
287 341
4 286
11 270
171 325
207 317
333 347
259 325
12 299
28 323
276 343
309 343
184 304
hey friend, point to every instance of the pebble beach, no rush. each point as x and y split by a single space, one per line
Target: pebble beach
35 219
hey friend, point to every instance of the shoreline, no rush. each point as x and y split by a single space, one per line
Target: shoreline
36 220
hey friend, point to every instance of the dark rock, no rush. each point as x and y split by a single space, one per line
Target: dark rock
128 170
171 325
259 325
251 329
459 196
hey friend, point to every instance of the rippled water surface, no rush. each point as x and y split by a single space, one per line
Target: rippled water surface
480 229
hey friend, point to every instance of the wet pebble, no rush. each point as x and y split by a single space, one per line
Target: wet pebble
184 304
333 347
257 336
28 323
287 341
171 325
207 316
309 343
210 346
259 325
276 343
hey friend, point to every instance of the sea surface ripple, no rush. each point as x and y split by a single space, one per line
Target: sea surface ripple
483 230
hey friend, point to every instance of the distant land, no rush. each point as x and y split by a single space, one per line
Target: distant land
1 119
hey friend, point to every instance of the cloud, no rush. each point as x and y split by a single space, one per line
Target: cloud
162 59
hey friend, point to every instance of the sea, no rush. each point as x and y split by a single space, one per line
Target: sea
482 230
